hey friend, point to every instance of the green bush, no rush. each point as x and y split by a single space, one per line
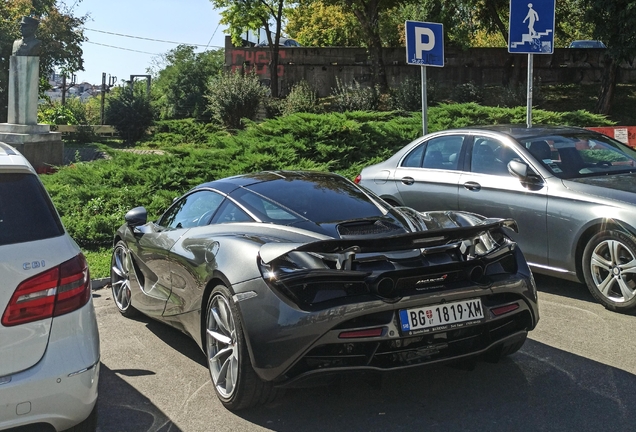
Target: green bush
234 96
93 197
355 97
467 92
129 111
301 98
407 96
54 113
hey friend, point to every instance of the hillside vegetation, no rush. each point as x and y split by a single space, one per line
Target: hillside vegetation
92 197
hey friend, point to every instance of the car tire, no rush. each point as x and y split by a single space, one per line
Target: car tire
120 268
609 266
88 425
235 381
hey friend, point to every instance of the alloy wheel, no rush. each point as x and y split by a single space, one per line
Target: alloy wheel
222 347
120 277
613 270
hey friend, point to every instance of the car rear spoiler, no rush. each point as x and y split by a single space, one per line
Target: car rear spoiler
413 240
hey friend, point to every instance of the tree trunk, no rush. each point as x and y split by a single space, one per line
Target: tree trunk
368 18
273 70
608 85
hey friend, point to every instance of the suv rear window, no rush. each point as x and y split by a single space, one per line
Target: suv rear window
26 211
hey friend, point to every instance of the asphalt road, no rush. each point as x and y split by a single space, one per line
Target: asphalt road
576 373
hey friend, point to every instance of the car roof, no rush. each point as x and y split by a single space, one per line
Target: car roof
521 132
11 159
229 184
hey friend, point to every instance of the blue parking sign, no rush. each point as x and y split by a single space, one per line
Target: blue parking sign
424 43
531 27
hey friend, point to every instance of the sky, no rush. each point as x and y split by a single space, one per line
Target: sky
193 22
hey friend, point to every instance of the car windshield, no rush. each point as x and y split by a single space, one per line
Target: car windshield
320 199
578 155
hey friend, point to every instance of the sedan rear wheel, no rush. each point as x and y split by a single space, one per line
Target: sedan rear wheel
235 382
609 263
120 268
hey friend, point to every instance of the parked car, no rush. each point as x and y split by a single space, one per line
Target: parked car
572 192
587 44
49 344
286 277
283 41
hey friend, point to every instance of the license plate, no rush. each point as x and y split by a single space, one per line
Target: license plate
441 316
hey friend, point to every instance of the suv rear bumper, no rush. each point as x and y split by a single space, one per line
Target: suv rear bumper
61 389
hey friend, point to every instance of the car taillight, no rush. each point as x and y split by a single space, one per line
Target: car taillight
358 179
54 292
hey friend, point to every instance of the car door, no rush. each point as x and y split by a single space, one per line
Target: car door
428 177
193 251
152 251
487 188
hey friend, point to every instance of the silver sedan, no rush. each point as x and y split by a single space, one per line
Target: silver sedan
572 192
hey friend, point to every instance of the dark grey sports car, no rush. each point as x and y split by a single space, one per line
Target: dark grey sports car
282 277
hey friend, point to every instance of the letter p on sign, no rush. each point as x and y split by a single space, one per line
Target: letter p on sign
424 40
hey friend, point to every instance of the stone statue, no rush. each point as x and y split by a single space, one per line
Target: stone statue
29 45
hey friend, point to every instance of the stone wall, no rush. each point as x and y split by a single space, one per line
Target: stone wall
322 66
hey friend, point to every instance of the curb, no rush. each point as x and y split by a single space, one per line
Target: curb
99 283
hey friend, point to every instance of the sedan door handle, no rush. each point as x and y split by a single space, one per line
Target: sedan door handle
472 186
408 180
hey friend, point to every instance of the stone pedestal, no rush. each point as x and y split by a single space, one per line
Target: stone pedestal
23 90
42 148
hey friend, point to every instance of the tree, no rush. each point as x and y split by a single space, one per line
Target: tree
615 24
130 112
242 15
319 24
179 89
60 31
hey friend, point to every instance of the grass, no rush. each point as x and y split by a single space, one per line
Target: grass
98 262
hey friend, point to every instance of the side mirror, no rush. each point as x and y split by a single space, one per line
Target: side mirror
136 217
525 174
518 169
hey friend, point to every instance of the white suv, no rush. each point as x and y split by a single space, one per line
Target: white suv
49 344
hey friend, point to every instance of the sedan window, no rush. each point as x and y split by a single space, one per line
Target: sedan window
490 156
195 209
438 153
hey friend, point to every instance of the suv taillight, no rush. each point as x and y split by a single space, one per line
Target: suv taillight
54 292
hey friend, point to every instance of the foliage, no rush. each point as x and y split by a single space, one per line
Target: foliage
615 24
355 97
60 31
179 88
234 96
129 111
323 25
54 113
301 98
184 131
92 198
467 92
407 96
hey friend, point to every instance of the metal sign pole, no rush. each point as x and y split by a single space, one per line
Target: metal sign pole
424 103
529 102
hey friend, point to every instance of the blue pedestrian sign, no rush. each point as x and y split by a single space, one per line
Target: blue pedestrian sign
531 27
424 43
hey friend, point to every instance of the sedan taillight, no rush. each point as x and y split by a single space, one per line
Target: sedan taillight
54 292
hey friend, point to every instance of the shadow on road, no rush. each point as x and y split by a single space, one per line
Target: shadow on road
538 389
564 288
125 409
